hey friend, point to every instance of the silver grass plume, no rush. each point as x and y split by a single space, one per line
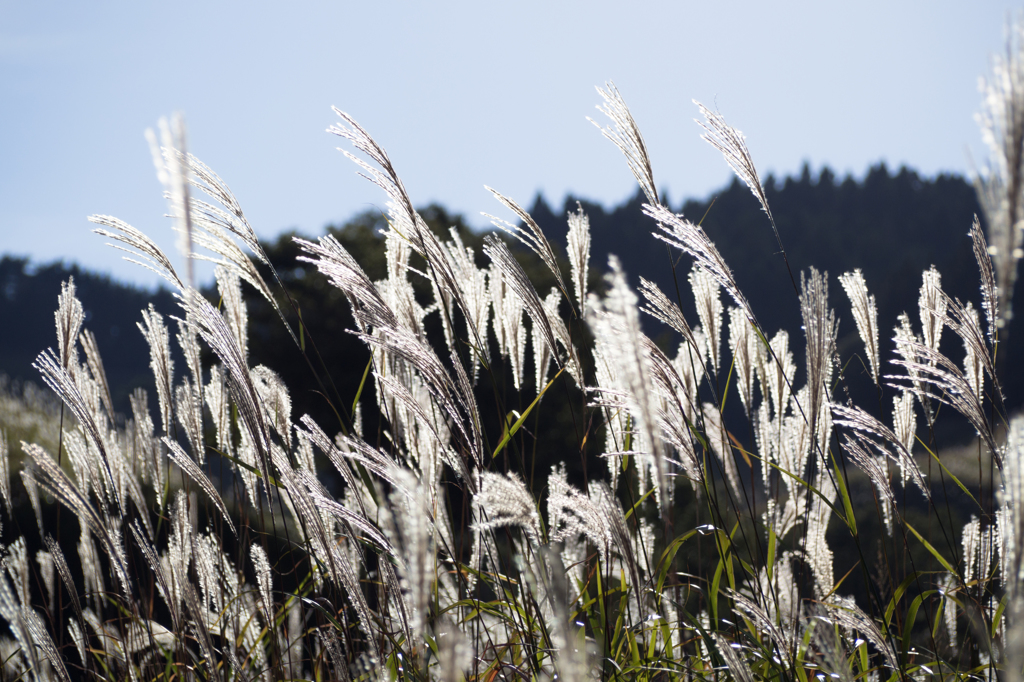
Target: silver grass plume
1012 493
624 133
848 615
579 252
504 500
746 351
148 458
99 374
661 308
1001 187
904 424
977 546
160 362
172 171
189 344
865 314
678 410
28 479
404 218
692 239
778 376
598 515
874 467
507 322
989 290
380 328
61 565
932 307
709 310
717 435
236 313
857 419
218 222
818 553
820 329
948 385
179 457
263 581
276 403
732 144
905 339
53 479
542 354
58 379
407 521
214 330
204 179
533 237
974 366
189 411
5 472
615 322
15 560
474 282
69 317
963 320
235 261
736 665
948 587
137 244
515 278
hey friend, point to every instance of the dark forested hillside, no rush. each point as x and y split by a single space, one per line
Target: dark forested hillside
892 226
28 299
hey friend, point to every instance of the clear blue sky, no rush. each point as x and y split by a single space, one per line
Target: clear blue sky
461 95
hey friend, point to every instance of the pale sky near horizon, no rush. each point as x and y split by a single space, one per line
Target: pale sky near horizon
461 94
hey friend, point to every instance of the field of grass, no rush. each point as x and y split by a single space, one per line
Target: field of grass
748 522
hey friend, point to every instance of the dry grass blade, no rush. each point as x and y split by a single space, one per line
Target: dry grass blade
153 258
153 329
232 258
58 379
615 322
865 314
69 317
579 252
517 280
820 329
989 291
859 420
57 483
856 450
684 235
963 320
181 458
661 308
61 564
731 143
214 331
99 374
5 471
532 236
951 387
626 136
